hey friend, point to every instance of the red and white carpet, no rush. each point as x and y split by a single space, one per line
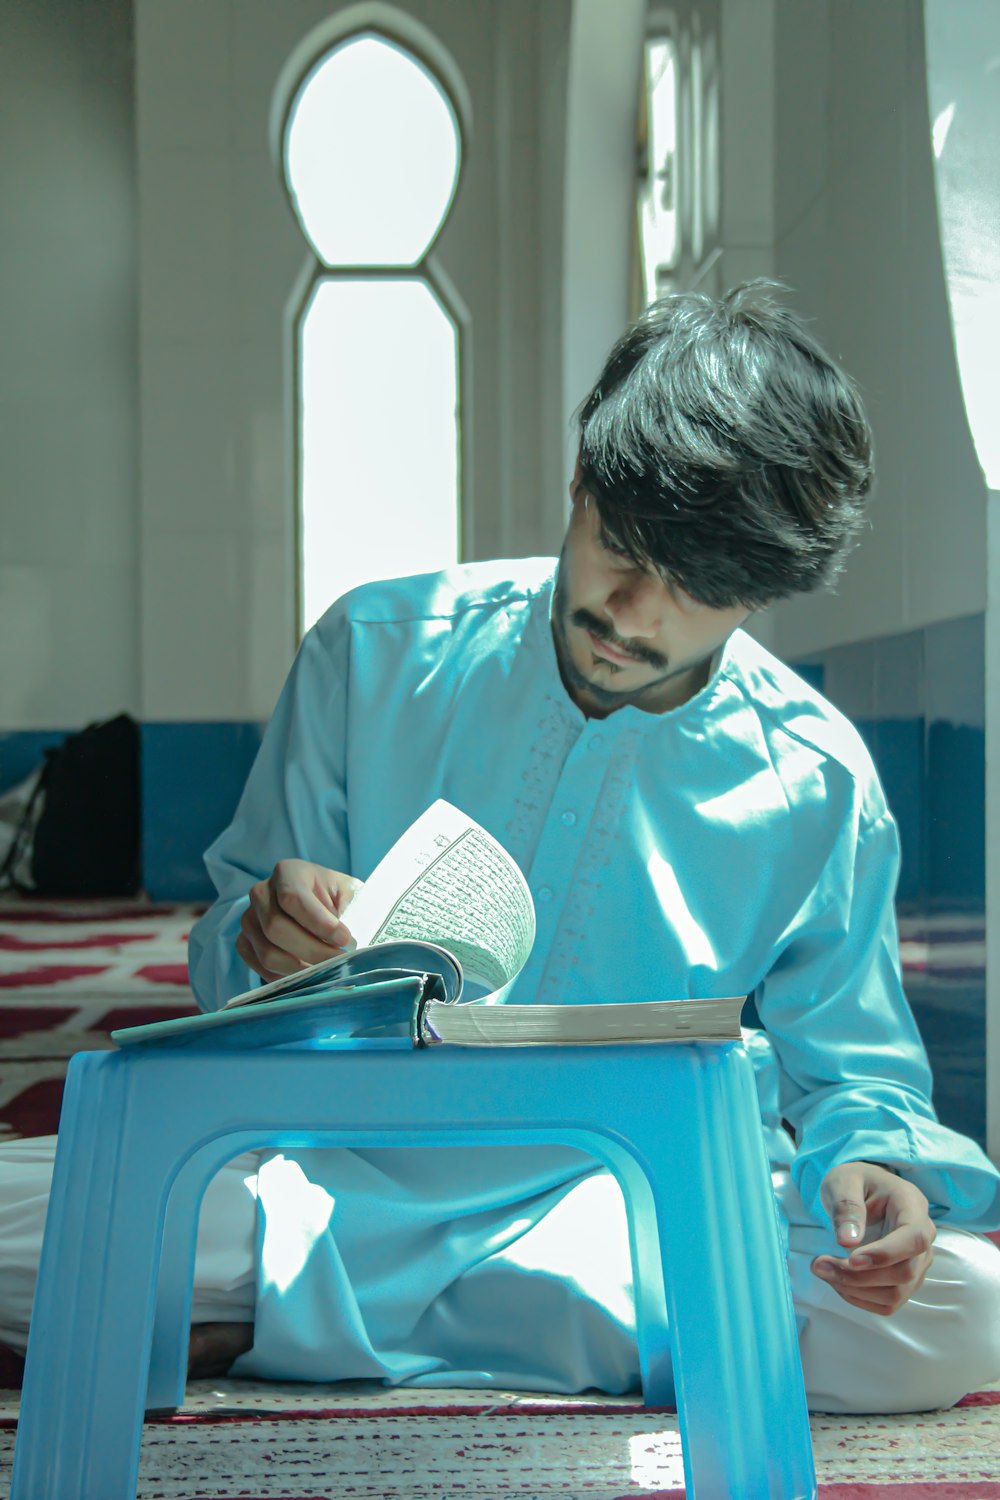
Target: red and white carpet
69 974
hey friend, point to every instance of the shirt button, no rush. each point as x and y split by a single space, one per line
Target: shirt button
568 818
545 893
596 742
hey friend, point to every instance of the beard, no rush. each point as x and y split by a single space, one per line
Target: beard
596 684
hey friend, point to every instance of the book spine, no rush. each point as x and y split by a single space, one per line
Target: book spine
420 1033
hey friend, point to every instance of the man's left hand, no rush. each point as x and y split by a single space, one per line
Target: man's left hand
890 1264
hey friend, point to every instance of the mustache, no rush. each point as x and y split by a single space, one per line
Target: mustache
587 621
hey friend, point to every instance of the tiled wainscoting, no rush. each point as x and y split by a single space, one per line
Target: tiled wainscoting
918 701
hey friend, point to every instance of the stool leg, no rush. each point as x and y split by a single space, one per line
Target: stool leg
653 1333
81 1414
168 1355
172 1324
737 1374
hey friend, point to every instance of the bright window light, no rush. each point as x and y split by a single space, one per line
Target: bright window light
942 125
299 1214
658 203
656 1461
371 155
379 460
697 157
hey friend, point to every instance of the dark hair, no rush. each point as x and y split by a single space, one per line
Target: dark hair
723 446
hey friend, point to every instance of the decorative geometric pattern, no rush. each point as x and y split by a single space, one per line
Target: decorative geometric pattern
357 1440
70 972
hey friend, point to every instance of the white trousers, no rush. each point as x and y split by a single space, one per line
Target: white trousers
943 1343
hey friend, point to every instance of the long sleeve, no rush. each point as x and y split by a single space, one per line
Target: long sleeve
294 805
855 1082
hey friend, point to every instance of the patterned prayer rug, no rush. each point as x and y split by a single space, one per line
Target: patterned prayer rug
238 1439
69 974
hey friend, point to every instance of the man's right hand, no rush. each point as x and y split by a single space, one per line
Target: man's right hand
294 919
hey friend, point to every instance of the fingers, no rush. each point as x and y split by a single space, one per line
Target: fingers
882 1290
299 891
305 898
293 919
883 1273
283 944
882 1305
911 1239
268 959
843 1195
248 953
856 1193
845 1273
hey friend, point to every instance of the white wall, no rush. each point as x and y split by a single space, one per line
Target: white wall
748 141
992 675
856 236
68 410
147 455
221 261
167 589
599 194
962 64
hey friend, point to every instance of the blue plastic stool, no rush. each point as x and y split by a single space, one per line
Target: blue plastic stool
143 1131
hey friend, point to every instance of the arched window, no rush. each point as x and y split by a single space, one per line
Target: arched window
372 153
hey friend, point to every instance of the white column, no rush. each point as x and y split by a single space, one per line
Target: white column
963 55
992 688
599 205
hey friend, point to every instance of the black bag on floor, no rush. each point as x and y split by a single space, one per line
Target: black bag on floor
87 839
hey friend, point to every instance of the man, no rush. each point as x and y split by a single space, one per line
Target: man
693 821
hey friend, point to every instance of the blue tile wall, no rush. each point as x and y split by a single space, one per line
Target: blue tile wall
956 814
813 673
897 747
21 752
192 777
918 700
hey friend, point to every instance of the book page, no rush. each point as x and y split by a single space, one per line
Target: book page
447 881
715 1020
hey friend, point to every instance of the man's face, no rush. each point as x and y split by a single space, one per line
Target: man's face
625 634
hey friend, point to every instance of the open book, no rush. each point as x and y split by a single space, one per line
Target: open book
446 916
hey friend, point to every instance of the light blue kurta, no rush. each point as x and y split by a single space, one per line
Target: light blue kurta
738 844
